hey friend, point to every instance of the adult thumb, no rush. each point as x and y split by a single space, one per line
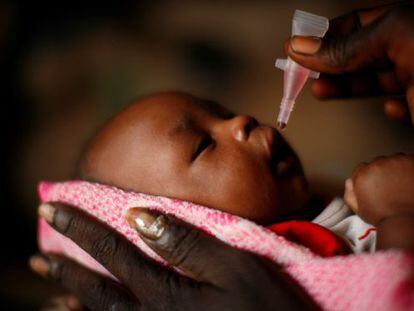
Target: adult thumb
338 54
196 254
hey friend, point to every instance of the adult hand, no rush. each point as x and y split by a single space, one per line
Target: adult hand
220 277
366 52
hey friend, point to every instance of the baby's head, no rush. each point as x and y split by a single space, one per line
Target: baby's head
176 145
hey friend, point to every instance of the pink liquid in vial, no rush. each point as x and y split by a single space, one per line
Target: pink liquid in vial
295 77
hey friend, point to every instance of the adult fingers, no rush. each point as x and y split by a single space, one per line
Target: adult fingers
356 19
144 277
385 84
192 251
341 54
357 85
94 291
344 51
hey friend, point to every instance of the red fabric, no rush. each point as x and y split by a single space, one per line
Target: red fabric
317 238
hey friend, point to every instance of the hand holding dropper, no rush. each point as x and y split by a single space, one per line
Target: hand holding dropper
295 76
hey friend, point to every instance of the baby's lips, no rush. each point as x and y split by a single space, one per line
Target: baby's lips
284 167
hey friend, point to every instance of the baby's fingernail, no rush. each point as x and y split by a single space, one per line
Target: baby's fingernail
47 211
147 223
305 45
40 265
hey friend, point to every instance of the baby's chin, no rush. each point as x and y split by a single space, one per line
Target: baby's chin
294 194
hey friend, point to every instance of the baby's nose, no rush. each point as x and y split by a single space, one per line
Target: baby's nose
241 126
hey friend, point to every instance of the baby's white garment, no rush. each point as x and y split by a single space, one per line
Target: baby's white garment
340 219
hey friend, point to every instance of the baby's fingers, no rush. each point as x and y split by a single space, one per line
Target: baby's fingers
349 195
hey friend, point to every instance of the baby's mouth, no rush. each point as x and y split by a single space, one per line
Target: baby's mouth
286 167
282 163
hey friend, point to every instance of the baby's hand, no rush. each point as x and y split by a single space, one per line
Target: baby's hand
382 188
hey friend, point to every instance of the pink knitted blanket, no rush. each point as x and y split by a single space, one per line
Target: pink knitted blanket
379 281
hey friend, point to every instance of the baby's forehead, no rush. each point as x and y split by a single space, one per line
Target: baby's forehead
144 128
172 109
140 126
159 114
181 103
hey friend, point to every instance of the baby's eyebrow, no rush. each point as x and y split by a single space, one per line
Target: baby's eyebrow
184 124
216 109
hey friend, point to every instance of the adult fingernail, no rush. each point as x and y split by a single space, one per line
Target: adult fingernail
147 223
40 265
305 45
47 211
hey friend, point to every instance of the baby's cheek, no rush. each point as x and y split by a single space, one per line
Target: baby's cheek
259 201
241 185
294 193
261 195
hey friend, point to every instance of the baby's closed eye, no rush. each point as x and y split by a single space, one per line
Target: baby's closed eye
206 142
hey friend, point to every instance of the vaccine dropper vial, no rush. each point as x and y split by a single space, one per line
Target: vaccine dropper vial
295 75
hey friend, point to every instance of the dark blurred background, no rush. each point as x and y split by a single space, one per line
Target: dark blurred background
67 67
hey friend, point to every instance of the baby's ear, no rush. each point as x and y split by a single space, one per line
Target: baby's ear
349 195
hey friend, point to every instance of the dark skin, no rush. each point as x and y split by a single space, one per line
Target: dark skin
221 278
198 151
381 192
365 53
346 65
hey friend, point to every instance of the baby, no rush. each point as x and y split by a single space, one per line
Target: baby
176 145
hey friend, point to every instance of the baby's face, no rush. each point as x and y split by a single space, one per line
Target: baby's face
179 146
